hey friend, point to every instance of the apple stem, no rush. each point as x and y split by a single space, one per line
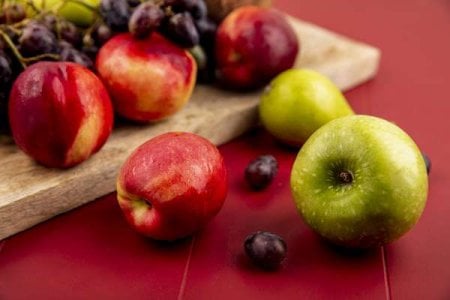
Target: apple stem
345 177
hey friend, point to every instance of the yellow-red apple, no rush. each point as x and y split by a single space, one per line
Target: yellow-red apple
172 185
60 113
253 45
149 79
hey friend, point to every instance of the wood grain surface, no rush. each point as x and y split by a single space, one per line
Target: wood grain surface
30 194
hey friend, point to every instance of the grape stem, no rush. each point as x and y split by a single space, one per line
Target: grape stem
19 24
24 60
13 48
33 7
41 57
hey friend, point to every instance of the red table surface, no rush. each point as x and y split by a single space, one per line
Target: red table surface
91 253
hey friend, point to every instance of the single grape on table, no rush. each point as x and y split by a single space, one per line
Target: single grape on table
266 250
261 171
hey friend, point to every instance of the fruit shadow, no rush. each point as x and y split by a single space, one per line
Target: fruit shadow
234 89
244 263
165 246
346 252
259 138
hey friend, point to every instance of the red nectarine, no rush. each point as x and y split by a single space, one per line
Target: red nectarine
60 113
253 45
149 79
172 185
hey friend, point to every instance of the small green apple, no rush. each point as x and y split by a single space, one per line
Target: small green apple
360 181
73 11
298 102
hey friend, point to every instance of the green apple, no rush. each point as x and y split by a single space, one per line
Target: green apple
360 181
72 10
298 102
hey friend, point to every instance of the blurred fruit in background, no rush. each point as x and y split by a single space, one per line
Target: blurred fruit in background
79 12
219 9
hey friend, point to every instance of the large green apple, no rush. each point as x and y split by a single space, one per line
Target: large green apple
360 181
298 102
73 11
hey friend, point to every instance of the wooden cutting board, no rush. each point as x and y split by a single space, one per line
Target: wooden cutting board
30 194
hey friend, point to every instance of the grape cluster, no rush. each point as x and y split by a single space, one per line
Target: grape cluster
185 22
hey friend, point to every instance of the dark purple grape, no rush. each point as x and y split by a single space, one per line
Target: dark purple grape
13 13
6 79
115 13
50 21
37 39
181 30
427 162
62 44
145 19
197 8
73 55
12 34
260 172
14 64
91 51
6 73
4 123
69 32
265 249
207 29
62 28
101 34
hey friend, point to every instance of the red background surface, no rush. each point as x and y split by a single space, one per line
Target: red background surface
90 253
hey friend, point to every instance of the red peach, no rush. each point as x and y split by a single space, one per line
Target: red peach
60 113
149 79
253 45
172 185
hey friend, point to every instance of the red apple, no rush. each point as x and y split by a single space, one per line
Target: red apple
149 79
253 45
172 185
60 113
